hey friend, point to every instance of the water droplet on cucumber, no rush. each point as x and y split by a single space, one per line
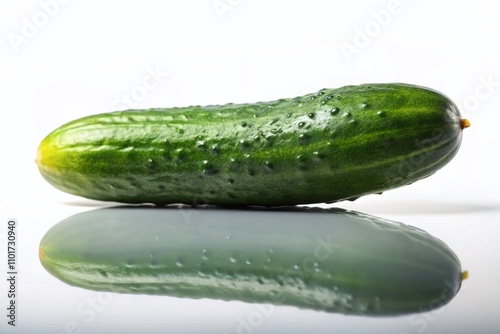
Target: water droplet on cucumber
243 144
334 111
304 138
201 145
205 254
269 166
214 150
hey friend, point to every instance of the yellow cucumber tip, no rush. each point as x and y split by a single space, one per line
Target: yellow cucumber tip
39 155
464 123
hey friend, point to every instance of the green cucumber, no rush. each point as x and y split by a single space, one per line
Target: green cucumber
327 260
333 145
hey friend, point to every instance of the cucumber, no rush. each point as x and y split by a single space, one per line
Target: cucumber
327 260
333 145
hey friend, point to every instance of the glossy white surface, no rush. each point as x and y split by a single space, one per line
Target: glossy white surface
66 59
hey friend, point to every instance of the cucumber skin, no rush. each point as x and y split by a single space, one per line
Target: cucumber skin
370 266
330 146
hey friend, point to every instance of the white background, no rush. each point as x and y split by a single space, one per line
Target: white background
62 60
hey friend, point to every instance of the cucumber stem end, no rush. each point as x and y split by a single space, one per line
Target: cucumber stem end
464 123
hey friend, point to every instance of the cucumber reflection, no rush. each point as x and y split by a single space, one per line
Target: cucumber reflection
331 260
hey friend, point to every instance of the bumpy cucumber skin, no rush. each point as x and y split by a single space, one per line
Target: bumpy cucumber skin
333 261
329 146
